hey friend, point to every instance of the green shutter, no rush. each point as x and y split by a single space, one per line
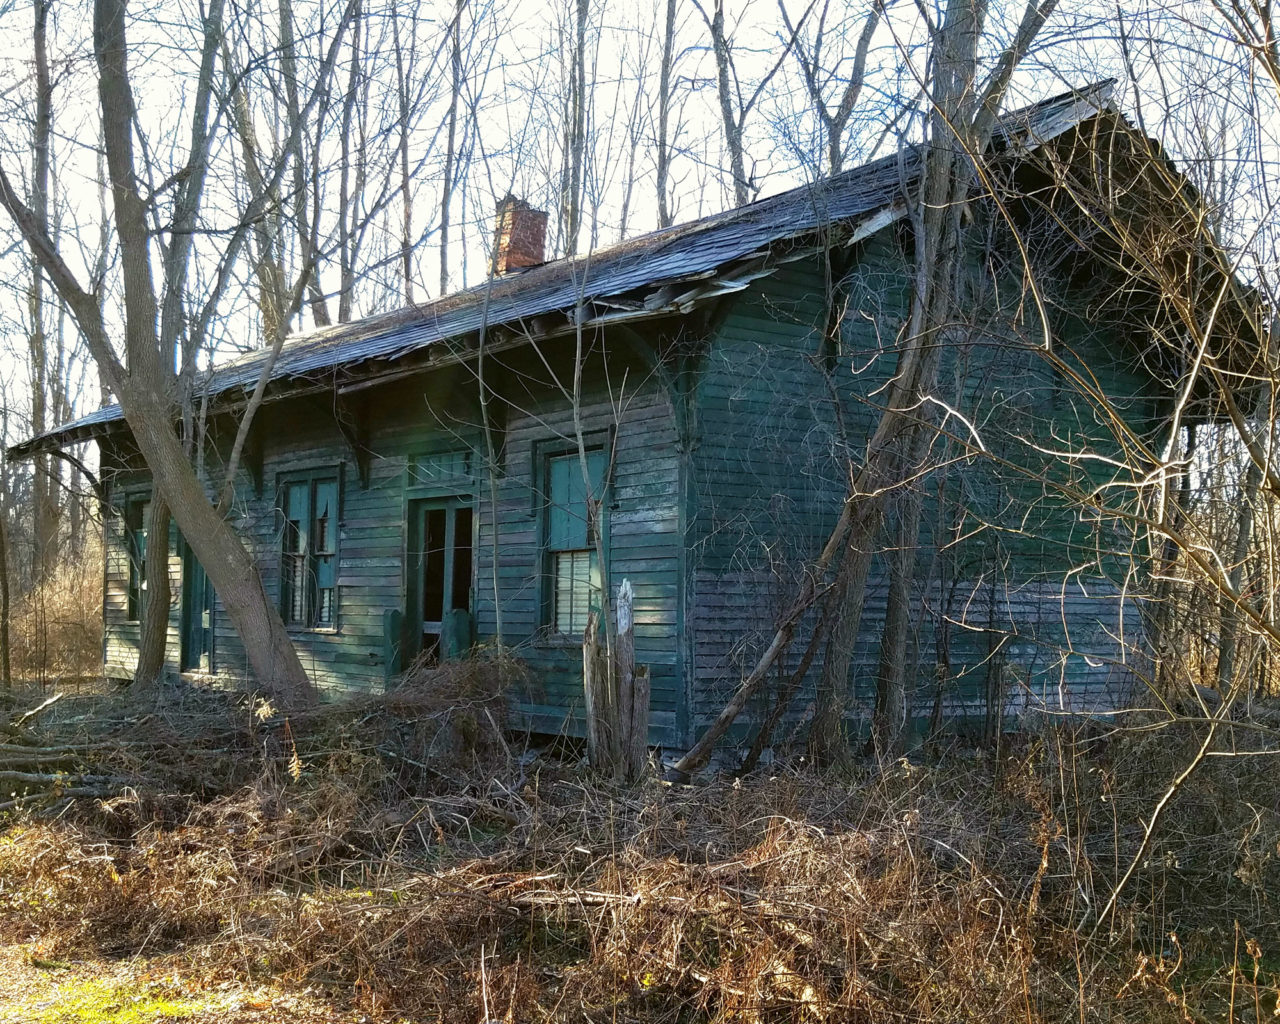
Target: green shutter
324 536
567 517
295 511
595 470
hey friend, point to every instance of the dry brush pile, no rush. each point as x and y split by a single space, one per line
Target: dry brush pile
406 858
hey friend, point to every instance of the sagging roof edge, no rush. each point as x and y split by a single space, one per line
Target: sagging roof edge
372 339
706 287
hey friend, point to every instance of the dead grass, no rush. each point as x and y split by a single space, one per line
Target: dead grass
56 628
411 863
141 990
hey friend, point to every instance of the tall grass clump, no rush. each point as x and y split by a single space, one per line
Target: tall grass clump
55 627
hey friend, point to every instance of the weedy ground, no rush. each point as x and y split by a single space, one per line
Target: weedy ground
403 858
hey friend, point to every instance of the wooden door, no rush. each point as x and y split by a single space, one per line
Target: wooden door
441 568
196 619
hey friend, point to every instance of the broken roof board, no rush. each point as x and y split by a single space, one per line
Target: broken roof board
675 254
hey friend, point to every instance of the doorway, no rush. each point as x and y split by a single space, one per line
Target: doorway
196 619
440 565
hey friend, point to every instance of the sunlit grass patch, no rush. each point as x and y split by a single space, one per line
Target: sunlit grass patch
99 1001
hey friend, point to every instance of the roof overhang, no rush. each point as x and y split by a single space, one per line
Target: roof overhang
666 273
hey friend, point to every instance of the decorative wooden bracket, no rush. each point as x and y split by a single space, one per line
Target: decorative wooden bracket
94 482
351 415
252 455
675 365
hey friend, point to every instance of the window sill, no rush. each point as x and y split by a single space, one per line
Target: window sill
557 641
311 630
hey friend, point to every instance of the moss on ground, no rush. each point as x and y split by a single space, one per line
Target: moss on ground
97 1001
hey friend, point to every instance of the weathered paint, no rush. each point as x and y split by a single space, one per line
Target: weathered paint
407 424
730 463
1013 562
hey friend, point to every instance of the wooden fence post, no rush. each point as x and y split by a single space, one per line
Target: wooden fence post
624 656
633 691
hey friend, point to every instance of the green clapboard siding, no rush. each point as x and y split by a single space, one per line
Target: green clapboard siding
1020 574
424 442
1017 582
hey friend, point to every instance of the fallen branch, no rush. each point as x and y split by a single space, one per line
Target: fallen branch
28 716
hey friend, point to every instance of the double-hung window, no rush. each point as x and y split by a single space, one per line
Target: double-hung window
309 551
573 526
137 517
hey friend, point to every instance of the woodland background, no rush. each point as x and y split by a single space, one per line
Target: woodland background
214 176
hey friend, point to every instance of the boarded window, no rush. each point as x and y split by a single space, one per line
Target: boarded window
441 469
573 525
309 552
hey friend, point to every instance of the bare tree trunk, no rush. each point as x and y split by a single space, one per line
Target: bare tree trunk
827 743
993 723
786 695
75 510
1229 647
348 197
1172 595
664 117
44 486
305 223
402 148
450 152
835 122
732 124
575 134
229 566
892 705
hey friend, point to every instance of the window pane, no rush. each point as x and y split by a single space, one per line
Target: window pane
433 582
326 517
308 552
136 516
462 559
576 588
324 583
295 579
296 516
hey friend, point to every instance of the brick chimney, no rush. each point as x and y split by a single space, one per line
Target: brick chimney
519 237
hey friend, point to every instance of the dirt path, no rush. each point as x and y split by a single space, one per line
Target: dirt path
141 991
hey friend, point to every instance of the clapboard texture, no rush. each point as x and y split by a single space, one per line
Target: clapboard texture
406 427
1020 572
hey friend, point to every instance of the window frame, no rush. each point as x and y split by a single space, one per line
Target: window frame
546 454
311 479
135 515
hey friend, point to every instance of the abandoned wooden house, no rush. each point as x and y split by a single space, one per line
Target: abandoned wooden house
434 478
